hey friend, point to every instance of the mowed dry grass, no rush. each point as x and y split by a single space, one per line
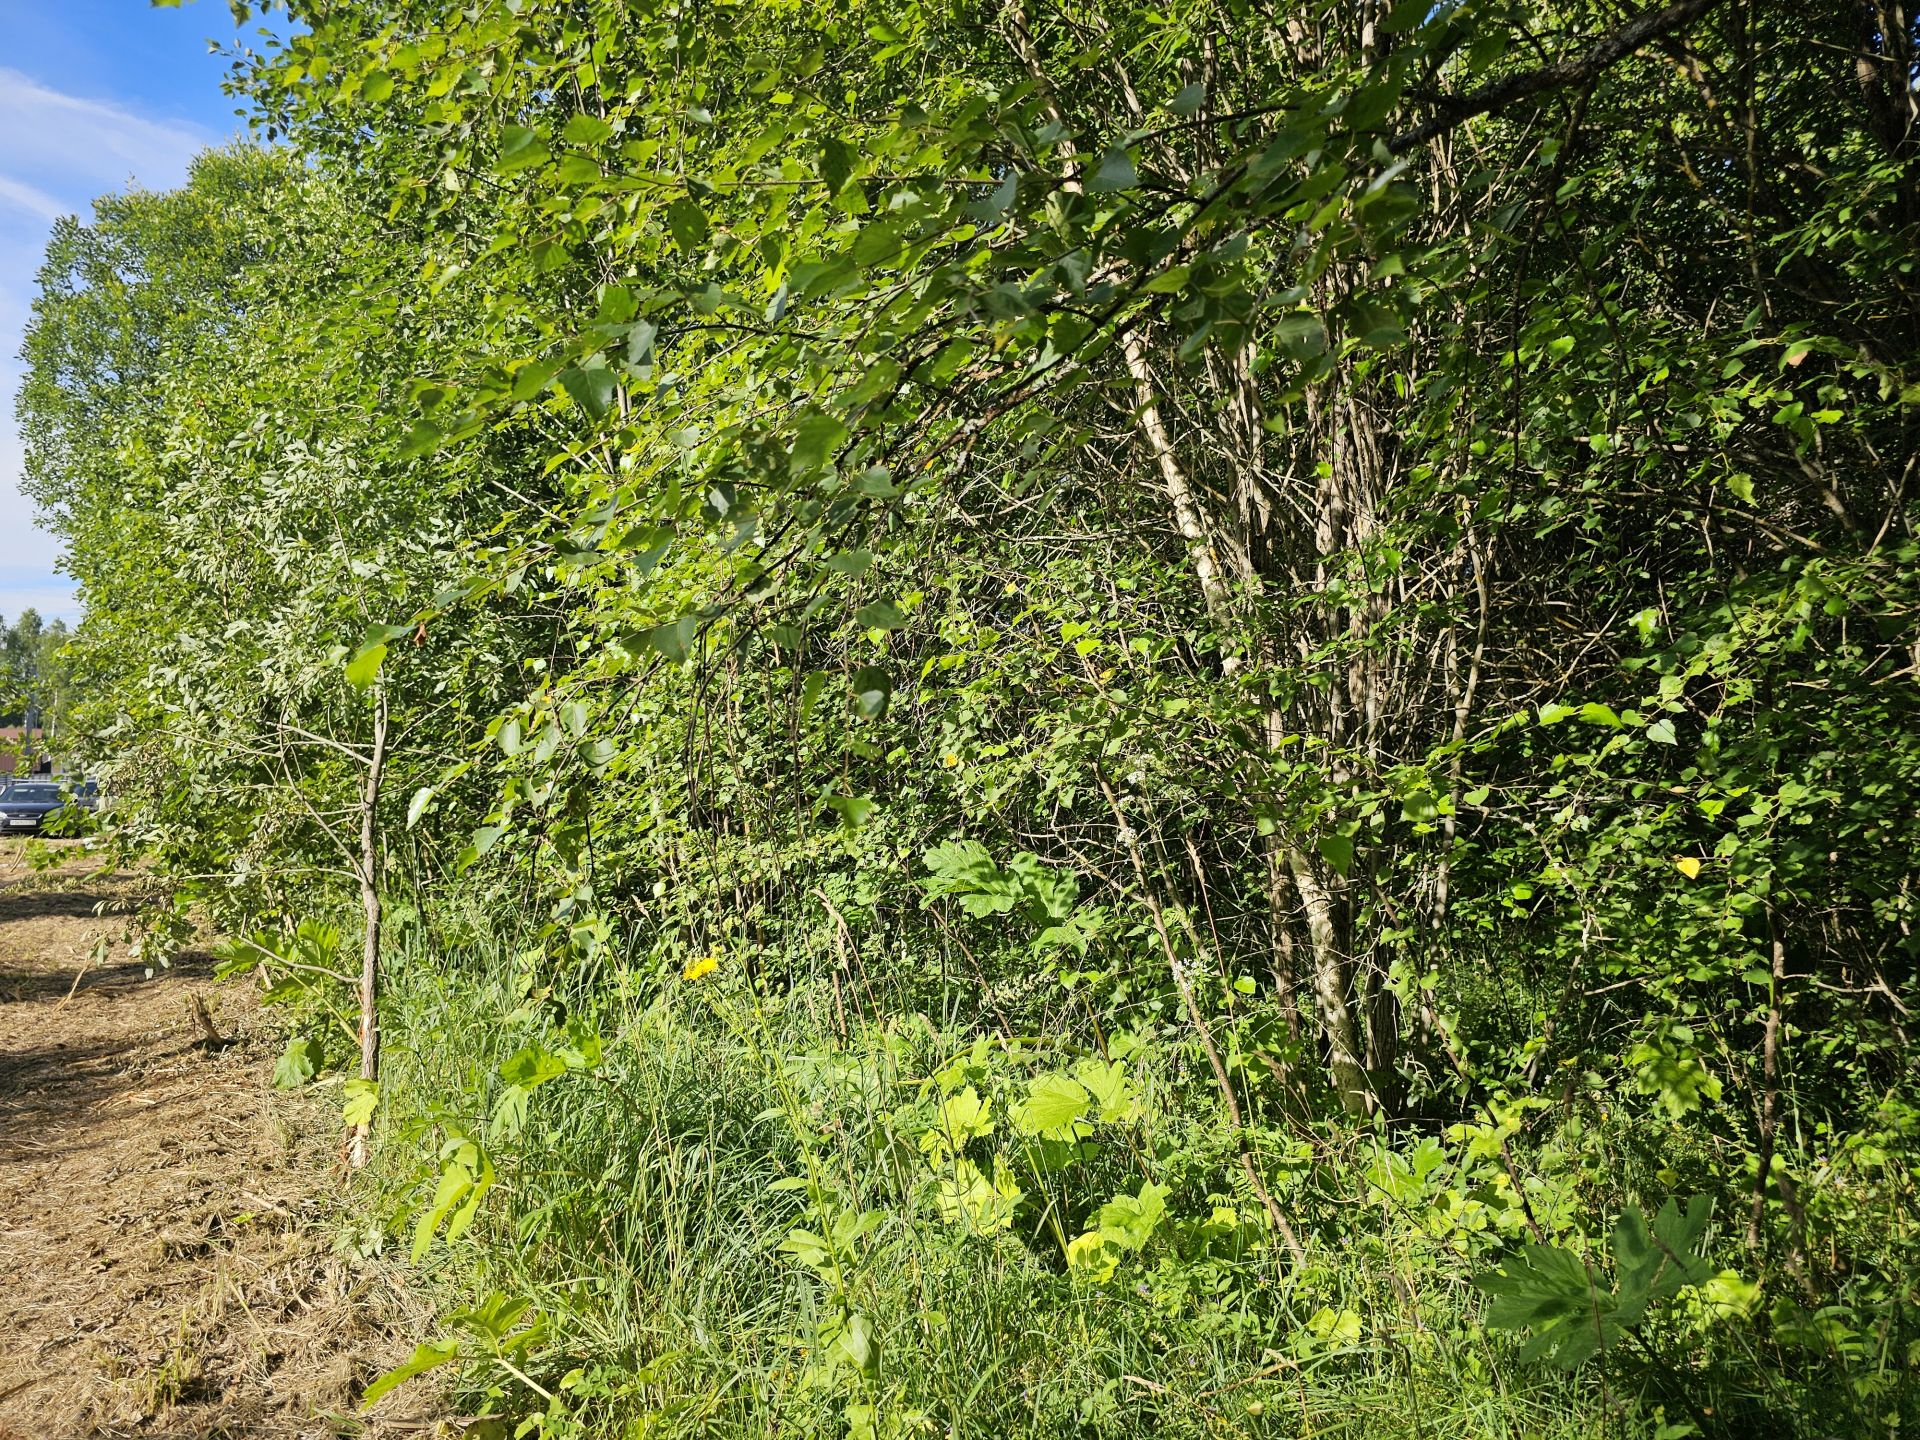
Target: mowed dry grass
166 1268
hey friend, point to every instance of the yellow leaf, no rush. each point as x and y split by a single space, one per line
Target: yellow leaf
705 965
1687 866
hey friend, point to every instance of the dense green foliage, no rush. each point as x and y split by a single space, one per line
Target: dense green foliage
1053 720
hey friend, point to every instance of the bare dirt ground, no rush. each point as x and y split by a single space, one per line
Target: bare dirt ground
167 1270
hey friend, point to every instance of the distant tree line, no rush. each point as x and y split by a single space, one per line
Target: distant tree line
33 672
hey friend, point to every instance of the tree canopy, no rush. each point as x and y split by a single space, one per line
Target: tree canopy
1197 646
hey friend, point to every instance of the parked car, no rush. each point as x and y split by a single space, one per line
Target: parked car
29 804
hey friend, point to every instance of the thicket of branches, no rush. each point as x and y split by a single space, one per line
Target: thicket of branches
1204 670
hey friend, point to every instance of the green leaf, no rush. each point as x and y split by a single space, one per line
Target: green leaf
360 1099
815 439
876 243
297 1063
1053 1107
1114 172
965 1117
1093 1257
365 665
872 691
376 87
422 439
586 130
1110 1088
533 377
849 562
640 337
1337 851
531 1067
674 640
853 810
836 164
858 1344
811 689
1302 335
1131 1219
425 1357
687 223
509 1114
881 615
521 148
591 389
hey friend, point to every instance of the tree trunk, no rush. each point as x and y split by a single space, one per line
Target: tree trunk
1330 989
369 874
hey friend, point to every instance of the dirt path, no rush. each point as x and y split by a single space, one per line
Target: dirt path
166 1269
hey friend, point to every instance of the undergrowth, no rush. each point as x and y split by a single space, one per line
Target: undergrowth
733 1222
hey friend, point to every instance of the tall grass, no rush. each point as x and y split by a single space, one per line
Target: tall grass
644 1206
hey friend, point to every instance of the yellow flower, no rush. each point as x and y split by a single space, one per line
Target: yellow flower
950 760
705 965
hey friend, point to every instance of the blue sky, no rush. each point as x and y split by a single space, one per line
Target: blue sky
95 95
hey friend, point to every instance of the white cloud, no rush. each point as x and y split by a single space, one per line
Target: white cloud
64 142
57 152
26 197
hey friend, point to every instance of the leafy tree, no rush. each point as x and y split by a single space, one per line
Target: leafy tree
1354 559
